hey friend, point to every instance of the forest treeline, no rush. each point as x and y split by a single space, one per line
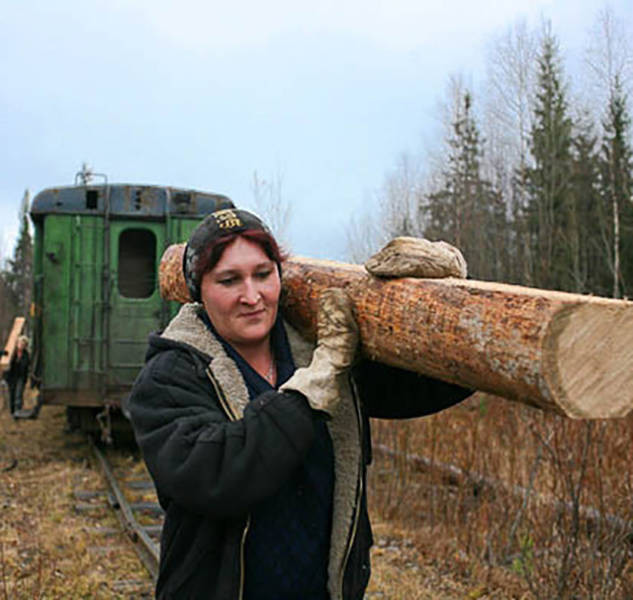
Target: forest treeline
16 275
533 180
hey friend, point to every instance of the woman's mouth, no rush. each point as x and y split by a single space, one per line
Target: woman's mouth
254 313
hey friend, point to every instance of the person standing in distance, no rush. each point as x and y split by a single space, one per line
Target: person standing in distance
17 374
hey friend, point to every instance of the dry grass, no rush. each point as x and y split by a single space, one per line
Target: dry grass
434 540
46 550
525 530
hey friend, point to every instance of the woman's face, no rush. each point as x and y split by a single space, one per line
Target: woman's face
241 294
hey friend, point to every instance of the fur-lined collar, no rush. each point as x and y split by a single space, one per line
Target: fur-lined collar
188 328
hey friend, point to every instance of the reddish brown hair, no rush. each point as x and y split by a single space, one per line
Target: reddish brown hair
213 252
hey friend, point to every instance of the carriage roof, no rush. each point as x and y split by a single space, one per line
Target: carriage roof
127 200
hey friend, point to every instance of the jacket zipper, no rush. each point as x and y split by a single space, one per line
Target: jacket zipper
359 487
232 417
242 565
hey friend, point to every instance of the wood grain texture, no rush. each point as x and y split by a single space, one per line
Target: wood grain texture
561 352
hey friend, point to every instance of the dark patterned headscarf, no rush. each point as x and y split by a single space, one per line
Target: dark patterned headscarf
216 225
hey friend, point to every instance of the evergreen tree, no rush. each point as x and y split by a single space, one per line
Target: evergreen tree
587 256
616 221
6 309
550 204
466 211
18 275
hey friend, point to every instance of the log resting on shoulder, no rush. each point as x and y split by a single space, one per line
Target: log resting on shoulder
12 341
567 353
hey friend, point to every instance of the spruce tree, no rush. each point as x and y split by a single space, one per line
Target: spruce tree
587 256
616 193
550 201
465 211
18 275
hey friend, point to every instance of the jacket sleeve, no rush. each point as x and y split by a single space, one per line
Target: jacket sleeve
201 460
391 393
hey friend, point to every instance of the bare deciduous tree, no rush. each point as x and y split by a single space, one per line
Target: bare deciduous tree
509 108
364 234
394 211
399 197
270 204
608 58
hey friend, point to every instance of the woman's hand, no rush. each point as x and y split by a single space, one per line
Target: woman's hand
337 330
336 352
417 257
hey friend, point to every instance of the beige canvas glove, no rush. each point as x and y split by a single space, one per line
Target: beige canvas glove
417 257
336 350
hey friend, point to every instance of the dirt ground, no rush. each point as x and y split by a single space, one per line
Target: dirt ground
47 550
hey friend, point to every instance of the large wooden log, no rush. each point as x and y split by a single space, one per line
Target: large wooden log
567 353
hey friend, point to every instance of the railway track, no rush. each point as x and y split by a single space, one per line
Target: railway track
132 498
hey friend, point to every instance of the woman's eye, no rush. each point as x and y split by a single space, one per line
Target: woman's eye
227 281
263 274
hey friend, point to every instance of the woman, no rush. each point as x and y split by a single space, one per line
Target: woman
17 374
257 441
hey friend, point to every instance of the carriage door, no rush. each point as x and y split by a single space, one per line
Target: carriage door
136 248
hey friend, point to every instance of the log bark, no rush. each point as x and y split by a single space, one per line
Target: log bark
567 353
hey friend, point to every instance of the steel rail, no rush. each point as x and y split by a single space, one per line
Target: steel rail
145 547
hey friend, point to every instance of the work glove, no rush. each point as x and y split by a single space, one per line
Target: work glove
417 257
336 351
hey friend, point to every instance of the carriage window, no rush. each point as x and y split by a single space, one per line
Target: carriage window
182 200
137 263
92 199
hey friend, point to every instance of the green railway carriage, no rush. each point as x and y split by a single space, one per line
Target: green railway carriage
96 298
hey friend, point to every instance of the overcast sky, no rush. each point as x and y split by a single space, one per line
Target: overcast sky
202 94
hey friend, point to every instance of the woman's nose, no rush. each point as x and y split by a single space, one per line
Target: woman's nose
250 293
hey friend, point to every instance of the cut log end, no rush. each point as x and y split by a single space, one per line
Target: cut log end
587 355
171 279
